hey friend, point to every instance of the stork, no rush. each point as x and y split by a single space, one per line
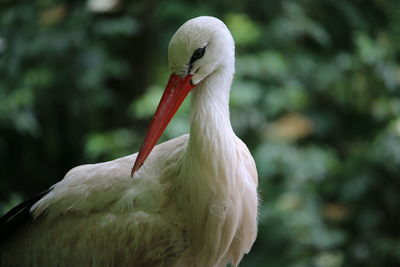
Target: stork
191 201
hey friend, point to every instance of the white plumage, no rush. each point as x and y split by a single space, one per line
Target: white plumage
192 203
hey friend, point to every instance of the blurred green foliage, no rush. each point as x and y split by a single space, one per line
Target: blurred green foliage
316 97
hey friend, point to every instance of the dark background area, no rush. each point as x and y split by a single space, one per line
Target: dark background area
316 97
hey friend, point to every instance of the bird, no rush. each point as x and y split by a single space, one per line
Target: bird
189 201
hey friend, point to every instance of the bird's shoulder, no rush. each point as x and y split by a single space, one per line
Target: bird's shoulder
108 185
102 189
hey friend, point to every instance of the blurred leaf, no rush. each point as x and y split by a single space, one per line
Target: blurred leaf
110 145
243 29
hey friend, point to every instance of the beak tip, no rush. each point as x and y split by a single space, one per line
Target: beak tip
135 168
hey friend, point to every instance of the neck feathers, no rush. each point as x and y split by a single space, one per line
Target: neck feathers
211 143
208 172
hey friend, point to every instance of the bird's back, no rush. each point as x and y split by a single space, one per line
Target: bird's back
99 216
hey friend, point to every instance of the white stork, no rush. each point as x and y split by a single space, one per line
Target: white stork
192 203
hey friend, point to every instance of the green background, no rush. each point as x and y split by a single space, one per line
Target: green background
316 97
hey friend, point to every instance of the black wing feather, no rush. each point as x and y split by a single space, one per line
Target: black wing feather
17 216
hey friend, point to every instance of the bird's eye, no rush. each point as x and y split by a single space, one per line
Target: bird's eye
199 53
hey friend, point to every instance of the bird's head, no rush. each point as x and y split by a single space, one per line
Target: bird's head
198 48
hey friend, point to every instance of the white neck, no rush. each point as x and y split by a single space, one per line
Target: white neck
211 138
207 176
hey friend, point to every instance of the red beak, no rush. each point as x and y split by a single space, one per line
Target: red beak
176 91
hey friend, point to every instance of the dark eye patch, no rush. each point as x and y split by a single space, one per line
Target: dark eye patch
197 54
